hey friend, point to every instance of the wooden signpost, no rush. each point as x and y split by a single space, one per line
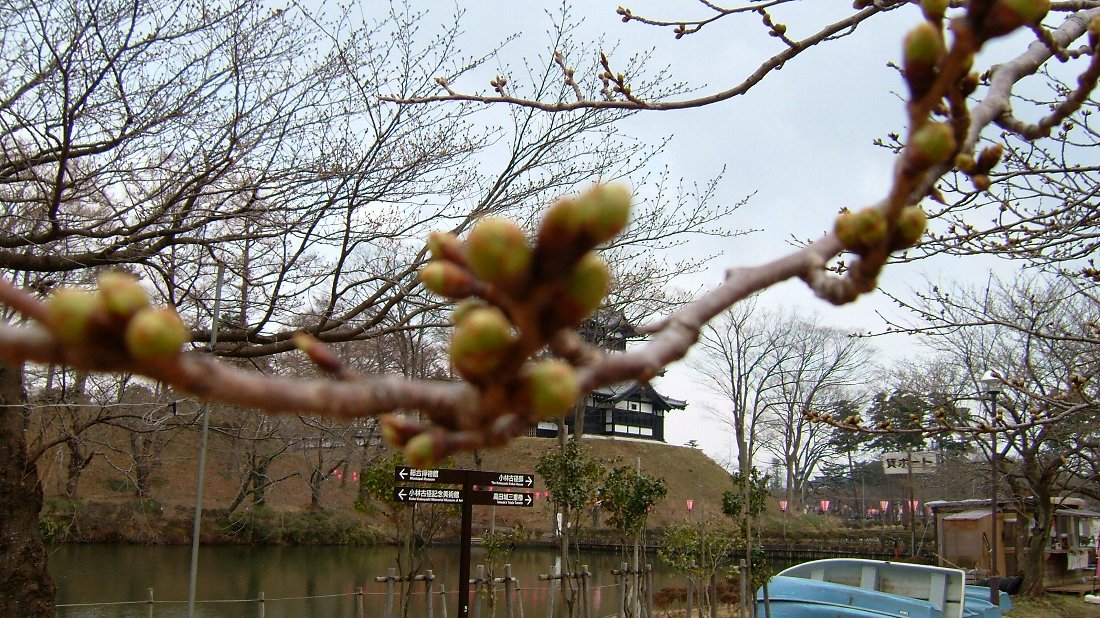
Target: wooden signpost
467 496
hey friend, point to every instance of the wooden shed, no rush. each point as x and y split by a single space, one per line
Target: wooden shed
964 529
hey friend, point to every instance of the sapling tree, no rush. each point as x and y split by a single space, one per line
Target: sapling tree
702 551
629 496
573 475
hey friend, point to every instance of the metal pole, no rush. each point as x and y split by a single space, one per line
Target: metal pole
994 577
464 550
260 606
201 481
149 601
359 613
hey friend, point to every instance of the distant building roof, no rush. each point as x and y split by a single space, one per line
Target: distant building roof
628 390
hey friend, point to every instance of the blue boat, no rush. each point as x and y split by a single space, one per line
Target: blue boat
855 588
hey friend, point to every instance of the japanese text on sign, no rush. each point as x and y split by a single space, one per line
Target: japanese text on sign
919 462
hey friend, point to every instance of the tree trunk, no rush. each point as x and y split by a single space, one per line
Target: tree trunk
26 589
1034 556
78 462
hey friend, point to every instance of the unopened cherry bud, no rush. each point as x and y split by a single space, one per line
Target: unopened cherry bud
870 226
447 279
445 246
497 251
70 313
922 50
481 342
550 388
990 156
910 226
463 309
154 334
1007 15
420 451
981 182
933 9
929 145
121 294
397 430
845 229
965 163
604 211
560 226
585 288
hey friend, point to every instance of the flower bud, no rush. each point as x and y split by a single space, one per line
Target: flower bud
121 294
1007 15
990 156
922 50
845 229
560 227
911 224
398 430
929 145
933 9
463 309
447 279
70 313
585 288
481 342
154 334
497 251
870 227
550 388
445 246
605 211
420 451
965 163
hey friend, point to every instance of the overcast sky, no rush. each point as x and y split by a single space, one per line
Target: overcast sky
801 141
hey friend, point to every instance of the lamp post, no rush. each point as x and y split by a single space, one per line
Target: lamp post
991 384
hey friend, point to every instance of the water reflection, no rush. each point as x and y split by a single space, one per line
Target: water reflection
120 573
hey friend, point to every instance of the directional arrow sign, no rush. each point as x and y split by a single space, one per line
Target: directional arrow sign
502 479
406 474
427 494
502 498
429 475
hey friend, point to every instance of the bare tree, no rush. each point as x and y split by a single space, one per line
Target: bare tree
169 163
819 376
1036 335
743 354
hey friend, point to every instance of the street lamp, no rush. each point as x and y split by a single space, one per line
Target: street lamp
991 384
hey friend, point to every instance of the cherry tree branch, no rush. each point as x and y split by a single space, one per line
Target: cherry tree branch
633 102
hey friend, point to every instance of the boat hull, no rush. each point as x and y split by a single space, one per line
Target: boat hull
857 588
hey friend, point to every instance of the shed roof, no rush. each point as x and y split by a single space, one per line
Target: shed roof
969 515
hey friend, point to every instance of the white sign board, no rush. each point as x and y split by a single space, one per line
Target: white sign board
921 462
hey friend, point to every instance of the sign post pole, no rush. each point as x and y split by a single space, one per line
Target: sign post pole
464 554
467 497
